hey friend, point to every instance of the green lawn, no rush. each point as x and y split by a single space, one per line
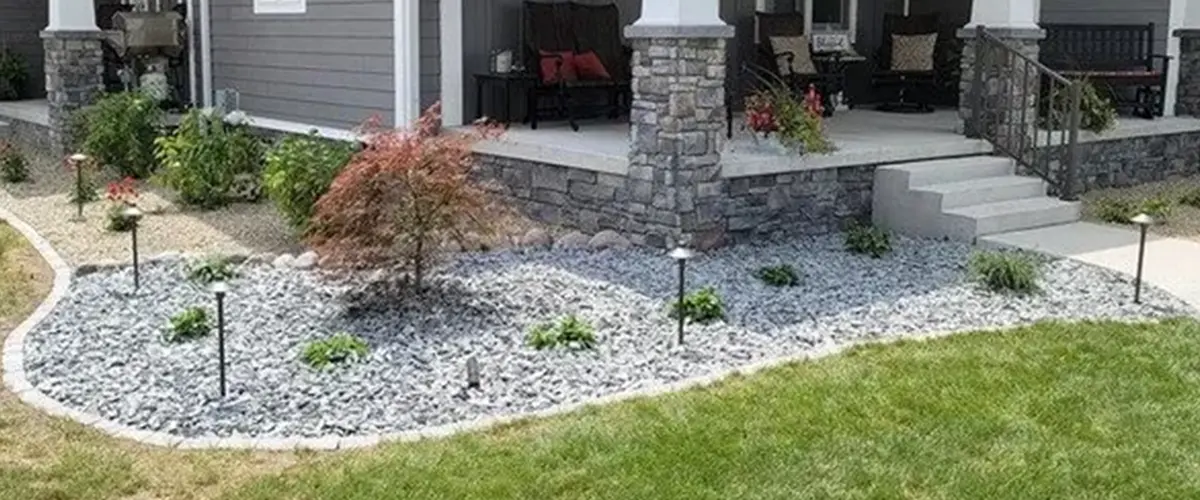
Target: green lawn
1055 411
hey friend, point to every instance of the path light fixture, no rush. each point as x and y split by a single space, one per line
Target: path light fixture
220 288
681 254
134 214
78 161
1144 222
473 381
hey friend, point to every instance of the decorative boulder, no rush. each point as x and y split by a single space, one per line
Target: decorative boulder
609 239
537 238
306 260
284 260
573 239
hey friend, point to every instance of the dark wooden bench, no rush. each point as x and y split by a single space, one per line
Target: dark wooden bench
1116 57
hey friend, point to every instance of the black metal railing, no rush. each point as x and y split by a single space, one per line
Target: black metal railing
1027 111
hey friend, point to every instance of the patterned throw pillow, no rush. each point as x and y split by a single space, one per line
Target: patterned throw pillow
913 52
798 45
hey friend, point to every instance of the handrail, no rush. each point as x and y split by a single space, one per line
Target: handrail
1014 100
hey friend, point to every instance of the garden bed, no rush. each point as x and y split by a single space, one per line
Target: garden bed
102 350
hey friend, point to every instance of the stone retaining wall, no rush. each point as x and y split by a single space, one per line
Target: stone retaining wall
805 202
1130 161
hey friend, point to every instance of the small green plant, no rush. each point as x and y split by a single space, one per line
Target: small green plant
1121 210
703 306
211 270
1191 198
782 275
569 332
1096 111
340 348
83 181
299 170
13 75
1006 272
190 324
13 167
868 240
116 220
202 159
119 132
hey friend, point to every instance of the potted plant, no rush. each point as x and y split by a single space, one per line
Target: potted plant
783 124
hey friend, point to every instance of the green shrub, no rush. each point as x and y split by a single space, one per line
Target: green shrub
1006 272
211 270
13 167
117 221
204 156
1096 111
1191 198
299 170
190 324
703 306
1120 210
781 276
119 132
13 75
868 240
340 348
569 332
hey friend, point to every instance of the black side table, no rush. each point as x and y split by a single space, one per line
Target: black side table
504 88
843 66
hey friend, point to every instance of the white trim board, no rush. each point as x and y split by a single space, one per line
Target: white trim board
452 79
1175 20
292 127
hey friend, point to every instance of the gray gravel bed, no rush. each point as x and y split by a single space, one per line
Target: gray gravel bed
102 349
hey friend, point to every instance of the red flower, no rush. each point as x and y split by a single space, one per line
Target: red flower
813 102
124 191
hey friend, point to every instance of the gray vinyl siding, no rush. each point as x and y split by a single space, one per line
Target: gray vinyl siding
332 65
1112 12
20 23
431 62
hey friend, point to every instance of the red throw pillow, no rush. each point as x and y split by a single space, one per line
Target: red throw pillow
590 67
551 72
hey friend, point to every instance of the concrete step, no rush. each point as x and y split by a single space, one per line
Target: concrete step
927 173
983 190
970 222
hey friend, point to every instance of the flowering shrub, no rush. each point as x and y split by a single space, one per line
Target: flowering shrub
400 197
204 156
119 132
775 108
121 195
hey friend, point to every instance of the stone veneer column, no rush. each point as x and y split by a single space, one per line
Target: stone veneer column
1188 101
676 127
74 77
1004 76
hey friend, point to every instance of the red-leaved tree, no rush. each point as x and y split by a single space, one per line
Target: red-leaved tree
401 197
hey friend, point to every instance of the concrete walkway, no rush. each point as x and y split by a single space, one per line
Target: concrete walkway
1171 264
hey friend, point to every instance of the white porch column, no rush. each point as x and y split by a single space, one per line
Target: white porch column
406 39
74 66
676 124
1006 13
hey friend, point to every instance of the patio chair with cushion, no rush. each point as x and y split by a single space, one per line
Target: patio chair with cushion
906 71
576 50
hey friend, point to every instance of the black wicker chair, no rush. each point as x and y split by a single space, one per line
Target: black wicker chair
904 90
554 28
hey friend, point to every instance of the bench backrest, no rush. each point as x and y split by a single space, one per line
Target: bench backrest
560 26
1101 47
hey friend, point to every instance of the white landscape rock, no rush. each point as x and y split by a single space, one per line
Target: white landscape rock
306 260
573 239
537 238
609 239
482 305
284 260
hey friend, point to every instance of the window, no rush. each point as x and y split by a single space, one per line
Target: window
826 15
280 6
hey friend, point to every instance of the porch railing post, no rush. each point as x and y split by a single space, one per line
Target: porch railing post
1073 159
975 129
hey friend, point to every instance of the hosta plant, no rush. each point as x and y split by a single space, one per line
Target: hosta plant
338 349
868 240
190 324
703 306
1006 272
570 332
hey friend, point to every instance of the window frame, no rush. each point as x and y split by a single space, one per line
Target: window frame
280 6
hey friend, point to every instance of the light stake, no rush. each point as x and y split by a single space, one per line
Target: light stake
135 215
77 160
220 288
681 255
1144 222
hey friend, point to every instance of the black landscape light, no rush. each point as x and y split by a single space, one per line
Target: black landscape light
135 217
220 288
681 255
1144 222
